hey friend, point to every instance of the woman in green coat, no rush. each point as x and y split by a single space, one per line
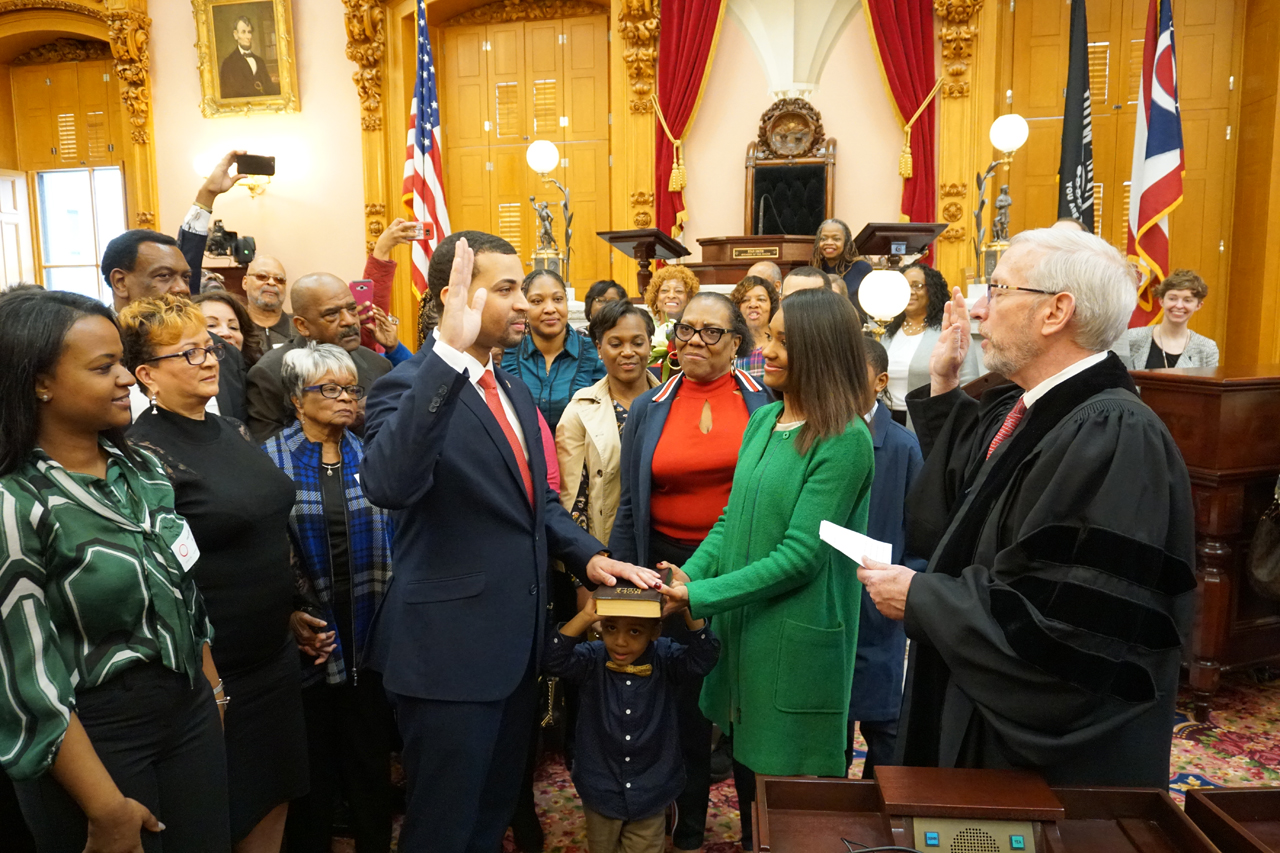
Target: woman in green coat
785 603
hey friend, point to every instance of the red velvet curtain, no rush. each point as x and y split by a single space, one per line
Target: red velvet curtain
903 30
686 36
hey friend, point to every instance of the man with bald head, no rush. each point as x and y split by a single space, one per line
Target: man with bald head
769 271
264 285
324 311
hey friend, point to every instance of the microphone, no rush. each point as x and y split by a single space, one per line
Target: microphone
760 219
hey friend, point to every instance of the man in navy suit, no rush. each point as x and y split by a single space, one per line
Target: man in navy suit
452 445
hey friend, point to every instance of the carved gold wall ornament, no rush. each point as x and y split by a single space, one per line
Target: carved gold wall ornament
957 48
641 198
506 11
789 128
955 90
643 219
957 11
145 219
128 33
952 211
376 227
57 5
231 91
638 25
65 50
375 209
954 234
366 46
953 190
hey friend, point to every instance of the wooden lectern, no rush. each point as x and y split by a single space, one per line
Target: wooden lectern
645 245
966 811
725 260
1224 421
1237 820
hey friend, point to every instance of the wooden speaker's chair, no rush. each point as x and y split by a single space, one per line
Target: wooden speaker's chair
791 171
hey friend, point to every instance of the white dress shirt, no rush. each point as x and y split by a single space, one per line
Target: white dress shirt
253 63
1029 398
465 362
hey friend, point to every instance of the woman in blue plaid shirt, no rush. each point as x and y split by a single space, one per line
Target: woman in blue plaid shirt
342 564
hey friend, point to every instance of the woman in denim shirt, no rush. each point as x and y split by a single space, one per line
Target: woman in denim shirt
555 360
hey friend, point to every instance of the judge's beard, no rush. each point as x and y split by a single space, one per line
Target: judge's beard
1009 355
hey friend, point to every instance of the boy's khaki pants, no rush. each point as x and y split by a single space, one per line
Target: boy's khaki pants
607 835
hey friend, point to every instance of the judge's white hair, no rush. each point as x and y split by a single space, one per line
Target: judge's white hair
303 366
1091 270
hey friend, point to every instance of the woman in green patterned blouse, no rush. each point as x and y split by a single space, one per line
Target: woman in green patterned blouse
108 724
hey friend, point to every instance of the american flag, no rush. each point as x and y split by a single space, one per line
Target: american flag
1155 188
423 172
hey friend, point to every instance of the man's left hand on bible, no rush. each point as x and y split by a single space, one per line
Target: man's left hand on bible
604 570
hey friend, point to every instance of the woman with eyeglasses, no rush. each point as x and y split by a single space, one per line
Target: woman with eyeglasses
679 449
342 564
237 504
910 337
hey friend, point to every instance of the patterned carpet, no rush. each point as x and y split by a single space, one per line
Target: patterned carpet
1239 745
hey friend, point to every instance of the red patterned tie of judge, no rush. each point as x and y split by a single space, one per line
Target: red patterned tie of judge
490 386
1010 423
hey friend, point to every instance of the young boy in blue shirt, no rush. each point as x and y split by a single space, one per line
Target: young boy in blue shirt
628 767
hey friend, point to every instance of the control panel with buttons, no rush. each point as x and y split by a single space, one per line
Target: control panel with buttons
973 835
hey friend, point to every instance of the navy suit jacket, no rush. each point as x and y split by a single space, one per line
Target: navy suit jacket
629 540
882 643
467 603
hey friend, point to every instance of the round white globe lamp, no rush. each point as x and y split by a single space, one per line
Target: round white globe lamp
884 294
542 156
1009 132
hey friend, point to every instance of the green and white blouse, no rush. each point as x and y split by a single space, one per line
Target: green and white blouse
89 587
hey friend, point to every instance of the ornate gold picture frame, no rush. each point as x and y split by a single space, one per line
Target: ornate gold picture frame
246 58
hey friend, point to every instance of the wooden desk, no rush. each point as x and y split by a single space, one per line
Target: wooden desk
1224 420
720 266
1237 820
809 815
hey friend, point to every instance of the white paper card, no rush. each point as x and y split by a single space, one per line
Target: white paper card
854 545
185 548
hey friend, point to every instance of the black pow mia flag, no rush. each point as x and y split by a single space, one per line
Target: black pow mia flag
1075 170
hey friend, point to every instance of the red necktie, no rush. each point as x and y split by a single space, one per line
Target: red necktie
1010 422
494 402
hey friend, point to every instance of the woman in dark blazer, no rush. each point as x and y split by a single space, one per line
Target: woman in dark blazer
679 450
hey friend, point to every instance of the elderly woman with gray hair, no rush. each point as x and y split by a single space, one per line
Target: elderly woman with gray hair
342 564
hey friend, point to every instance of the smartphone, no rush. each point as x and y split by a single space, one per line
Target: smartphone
424 230
255 164
362 290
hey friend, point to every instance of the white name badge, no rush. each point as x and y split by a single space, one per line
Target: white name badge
185 548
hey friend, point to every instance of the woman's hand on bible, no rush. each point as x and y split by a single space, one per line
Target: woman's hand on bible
119 828
676 592
459 322
952 347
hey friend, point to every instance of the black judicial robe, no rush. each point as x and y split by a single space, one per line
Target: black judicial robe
1047 630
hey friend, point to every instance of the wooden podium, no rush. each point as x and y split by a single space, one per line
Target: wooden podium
1238 820
645 245
968 810
1224 421
725 260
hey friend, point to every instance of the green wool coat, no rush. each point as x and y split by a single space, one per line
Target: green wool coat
785 603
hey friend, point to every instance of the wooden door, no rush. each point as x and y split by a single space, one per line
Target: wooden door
17 261
33 117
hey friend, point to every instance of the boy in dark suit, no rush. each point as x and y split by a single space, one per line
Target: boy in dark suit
628 767
876 695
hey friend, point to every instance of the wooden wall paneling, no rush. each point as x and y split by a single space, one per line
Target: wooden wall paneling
96 97
588 175
586 67
64 97
544 81
34 118
463 87
8 121
508 106
1255 260
511 184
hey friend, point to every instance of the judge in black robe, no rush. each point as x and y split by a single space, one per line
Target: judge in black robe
1048 627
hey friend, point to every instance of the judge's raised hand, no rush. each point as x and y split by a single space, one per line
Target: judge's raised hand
952 346
604 571
887 585
459 322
